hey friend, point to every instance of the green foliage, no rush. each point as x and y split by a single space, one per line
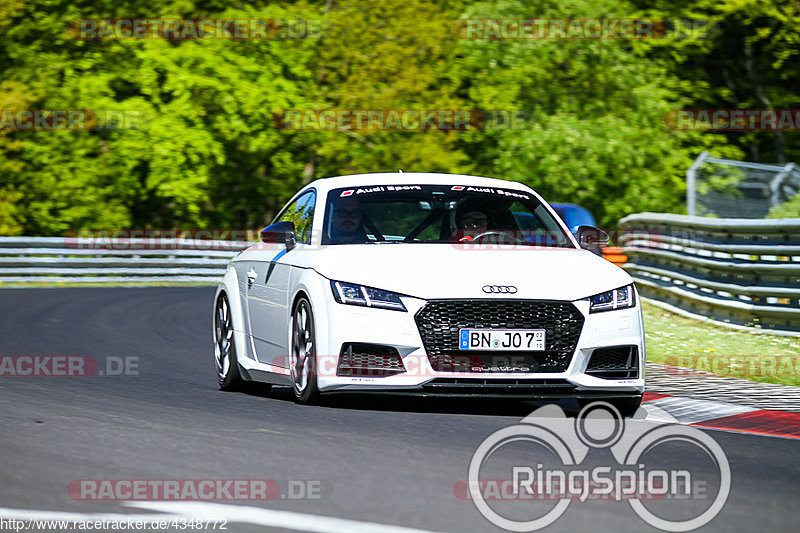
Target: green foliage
206 153
388 54
596 134
748 59
718 349
788 209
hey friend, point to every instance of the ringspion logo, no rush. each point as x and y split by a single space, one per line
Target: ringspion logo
541 460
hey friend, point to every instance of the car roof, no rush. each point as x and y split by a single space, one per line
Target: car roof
324 185
412 178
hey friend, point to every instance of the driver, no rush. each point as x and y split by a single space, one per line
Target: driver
472 219
346 222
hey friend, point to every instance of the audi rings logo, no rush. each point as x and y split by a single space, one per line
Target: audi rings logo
499 289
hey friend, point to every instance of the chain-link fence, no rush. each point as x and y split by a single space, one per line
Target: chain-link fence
737 189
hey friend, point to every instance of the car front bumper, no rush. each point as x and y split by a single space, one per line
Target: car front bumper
398 330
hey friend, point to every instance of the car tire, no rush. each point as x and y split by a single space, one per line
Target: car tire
228 374
627 407
303 354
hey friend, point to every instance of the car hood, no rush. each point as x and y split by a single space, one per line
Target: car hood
433 271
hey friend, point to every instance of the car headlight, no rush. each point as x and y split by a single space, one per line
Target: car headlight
350 293
621 298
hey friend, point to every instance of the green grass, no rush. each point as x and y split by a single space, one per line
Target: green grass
676 340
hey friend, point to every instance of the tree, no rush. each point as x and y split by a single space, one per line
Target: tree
203 151
745 56
595 132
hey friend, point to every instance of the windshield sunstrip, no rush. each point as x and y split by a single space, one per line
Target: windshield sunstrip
464 214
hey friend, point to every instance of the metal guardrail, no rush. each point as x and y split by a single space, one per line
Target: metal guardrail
737 271
76 260
734 271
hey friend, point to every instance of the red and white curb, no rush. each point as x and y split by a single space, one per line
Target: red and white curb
721 415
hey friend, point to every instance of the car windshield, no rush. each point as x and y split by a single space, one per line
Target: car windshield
438 214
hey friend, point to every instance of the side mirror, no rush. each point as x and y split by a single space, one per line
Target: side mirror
591 238
280 232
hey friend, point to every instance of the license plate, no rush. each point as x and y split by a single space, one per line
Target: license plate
528 340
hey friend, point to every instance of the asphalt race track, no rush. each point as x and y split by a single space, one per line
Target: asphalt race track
374 462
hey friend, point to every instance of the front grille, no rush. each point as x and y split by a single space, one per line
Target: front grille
439 321
615 362
362 359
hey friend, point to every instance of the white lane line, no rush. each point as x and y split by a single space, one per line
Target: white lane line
216 511
272 518
33 514
691 411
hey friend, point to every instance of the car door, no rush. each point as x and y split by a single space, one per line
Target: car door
245 273
268 294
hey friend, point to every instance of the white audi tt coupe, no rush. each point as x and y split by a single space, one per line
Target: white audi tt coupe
429 284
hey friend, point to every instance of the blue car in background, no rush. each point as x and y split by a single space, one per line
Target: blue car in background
574 216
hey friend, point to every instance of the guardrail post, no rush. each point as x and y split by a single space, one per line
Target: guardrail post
691 183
